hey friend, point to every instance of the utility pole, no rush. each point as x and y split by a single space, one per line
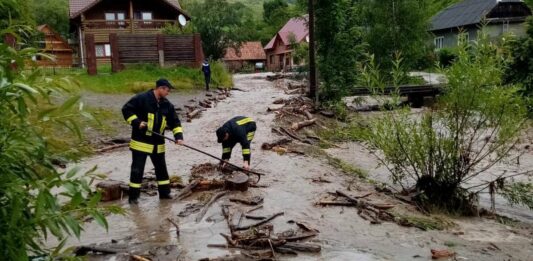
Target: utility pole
312 64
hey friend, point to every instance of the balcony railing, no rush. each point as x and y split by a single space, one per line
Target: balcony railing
126 24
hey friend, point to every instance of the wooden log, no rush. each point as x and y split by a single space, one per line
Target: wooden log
83 250
187 190
248 201
298 125
238 181
214 198
112 147
260 222
303 247
111 189
285 251
269 146
291 134
255 217
279 101
307 114
336 203
209 184
328 114
300 237
139 258
193 113
254 209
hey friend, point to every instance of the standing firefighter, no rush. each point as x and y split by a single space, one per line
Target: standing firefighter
237 130
206 69
146 113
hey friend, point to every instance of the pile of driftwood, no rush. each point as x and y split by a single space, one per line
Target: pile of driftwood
258 240
194 108
209 176
373 212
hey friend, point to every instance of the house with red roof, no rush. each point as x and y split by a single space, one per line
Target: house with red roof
250 54
280 48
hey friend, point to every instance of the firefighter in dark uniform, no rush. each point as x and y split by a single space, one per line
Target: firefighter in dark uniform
146 113
237 130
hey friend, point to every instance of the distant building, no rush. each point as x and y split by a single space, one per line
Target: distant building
279 50
55 45
249 54
500 16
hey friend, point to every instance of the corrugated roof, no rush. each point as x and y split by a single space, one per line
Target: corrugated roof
248 51
76 7
295 26
467 12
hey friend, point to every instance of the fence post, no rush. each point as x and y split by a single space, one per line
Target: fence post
90 51
198 51
161 49
115 59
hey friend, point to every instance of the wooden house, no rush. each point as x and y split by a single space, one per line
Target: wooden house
250 54
466 17
280 48
53 44
101 18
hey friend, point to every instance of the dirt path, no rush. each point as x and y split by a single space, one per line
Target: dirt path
343 234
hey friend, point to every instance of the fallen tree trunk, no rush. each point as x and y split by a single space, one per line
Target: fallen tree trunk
298 125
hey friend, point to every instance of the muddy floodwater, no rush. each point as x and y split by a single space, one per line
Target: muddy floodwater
343 234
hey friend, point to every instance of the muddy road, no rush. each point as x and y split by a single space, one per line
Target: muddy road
343 234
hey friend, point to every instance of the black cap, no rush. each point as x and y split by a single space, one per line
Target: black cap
163 82
221 132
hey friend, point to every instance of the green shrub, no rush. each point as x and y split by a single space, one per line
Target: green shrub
36 199
446 56
477 122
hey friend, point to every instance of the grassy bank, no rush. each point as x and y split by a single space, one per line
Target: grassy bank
137 78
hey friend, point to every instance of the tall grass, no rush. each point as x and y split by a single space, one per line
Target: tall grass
138 78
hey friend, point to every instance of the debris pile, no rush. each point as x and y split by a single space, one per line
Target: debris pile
257 239
194 108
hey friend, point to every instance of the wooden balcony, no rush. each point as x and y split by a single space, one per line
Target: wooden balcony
125 25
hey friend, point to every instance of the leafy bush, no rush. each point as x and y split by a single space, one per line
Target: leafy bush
520 67
37 200
477 123
446 56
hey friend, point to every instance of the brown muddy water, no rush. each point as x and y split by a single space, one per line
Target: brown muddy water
343 234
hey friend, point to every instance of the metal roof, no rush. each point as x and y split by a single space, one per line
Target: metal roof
467 12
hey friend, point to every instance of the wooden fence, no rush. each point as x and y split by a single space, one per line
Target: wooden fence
155 48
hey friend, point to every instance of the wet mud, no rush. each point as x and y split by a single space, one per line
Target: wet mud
292 188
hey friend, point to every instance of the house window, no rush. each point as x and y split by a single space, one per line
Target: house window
439 42
115 16
505 26
146 16
103 50
271 59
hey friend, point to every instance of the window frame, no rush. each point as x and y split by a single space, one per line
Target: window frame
438 42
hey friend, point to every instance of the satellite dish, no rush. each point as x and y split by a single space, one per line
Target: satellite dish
182 20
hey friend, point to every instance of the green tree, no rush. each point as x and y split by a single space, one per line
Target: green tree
16 12
54 13
520 67
37 200
477 122
220 24
397 26
339 46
